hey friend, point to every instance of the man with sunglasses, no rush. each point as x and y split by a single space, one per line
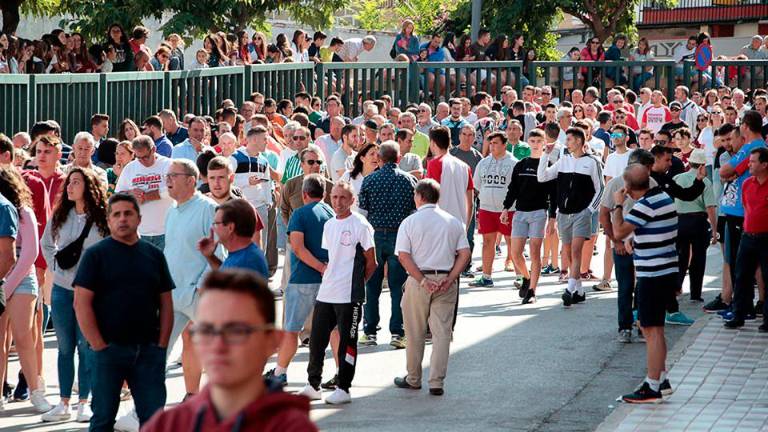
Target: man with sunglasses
675 111
663 138
234 337
144 178
300 139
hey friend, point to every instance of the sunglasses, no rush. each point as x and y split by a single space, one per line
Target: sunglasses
620 117
717 112
299 137
595 42
312 162
546 94
660 142
617 135
674 109
703 119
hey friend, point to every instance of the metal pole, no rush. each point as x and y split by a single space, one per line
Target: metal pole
477 6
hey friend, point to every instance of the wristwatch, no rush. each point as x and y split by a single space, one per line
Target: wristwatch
618 206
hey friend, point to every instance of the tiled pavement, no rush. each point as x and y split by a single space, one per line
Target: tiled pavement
720 382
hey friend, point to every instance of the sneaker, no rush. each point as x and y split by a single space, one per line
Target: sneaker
282 378
715 305
640 335
547 270
7 391
338 397
128 422
588 276
331 383
518 282
643 395
578 298
524 288
402 382
759 308
59 413
436 391
397 341
21 393
625 336
567 298
304 343
665 388
530 298
604 285
734 323
678 318
498 250
724 312
729 315
466 274
763 328
428 338
481 281
39 402
563 276
311 393
84 413
367 340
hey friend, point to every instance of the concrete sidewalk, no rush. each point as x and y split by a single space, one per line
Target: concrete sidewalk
720 382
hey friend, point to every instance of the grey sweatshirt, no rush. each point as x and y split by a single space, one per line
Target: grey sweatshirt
68 233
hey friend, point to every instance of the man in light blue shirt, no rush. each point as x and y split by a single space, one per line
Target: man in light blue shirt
191 147
185 223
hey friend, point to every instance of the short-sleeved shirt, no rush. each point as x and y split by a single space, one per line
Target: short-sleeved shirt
614 185
248 258
310 221
755 200
164 146
346 240
615 164
730 203
520 151
702 202
432 237
471 157
410 162
127 282
655 252
9 219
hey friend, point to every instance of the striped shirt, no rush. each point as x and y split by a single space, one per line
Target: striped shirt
292 169
655 217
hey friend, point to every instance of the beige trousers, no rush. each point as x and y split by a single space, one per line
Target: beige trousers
420 308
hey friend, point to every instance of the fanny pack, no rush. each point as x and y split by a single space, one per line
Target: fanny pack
68 256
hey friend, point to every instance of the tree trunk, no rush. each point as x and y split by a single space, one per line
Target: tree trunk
11 16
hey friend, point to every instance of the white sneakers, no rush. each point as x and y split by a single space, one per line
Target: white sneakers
84 413
39 402
311 393
128 422
59 413
338 397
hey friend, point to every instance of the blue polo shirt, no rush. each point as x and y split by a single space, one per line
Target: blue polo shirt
248 258
163 146
730 203
309 220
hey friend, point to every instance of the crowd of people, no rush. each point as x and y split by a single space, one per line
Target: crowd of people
395 194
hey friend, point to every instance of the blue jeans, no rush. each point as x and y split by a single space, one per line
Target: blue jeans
641 79
282 233
69 336
625 276
157 241
470 237
396 276
143 366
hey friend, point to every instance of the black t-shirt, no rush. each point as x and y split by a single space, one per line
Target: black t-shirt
478 51
127 282
313 51
672 127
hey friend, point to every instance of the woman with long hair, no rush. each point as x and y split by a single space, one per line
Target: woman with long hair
258 46
80 216
366 161
641 73
117 38
5 43
463 53
449 45
127 130
406 42
243 53
21 288
593 52
216 57
177 49
499 48
711 100
123 155
79 60
516 50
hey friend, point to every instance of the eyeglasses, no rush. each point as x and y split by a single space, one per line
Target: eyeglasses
546 94
214 223
232 334
299 137
674 109
660 142
171 176
312 162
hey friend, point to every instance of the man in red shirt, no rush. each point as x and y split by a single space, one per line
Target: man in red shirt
752 251
234 336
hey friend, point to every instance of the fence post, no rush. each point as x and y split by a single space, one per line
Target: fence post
247 82
413 82
166 93
101 104
31 101
320 84
670 81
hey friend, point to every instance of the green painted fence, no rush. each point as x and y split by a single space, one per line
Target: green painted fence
72 99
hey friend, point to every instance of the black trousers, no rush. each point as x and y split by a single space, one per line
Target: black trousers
734 226
693 236
752 253
326 317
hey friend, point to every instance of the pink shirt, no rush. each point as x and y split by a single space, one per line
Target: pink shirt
27 246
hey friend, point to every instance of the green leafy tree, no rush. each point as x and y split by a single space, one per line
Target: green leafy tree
193 19
427 15
13 9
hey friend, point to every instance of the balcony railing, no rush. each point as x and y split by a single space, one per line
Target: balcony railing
655 13
71 99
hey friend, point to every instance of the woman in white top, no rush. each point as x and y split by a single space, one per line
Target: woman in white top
83 201
366 162
706 138
299 46
641 74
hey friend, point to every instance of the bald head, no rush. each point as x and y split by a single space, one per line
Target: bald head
636 177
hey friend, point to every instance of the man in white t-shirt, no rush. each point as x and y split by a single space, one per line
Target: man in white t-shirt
657 114
342 159
348 238
331 141
144 178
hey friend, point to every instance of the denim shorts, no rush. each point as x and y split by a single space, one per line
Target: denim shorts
28 285
595 223
529 224
574 225
299 300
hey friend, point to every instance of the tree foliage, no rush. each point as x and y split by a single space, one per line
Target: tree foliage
427 15
193 18
13 9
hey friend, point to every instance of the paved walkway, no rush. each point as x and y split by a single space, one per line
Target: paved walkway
720 382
